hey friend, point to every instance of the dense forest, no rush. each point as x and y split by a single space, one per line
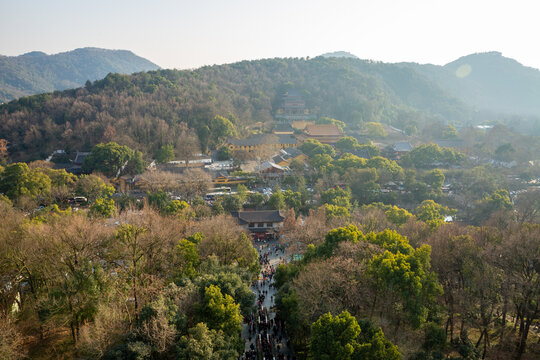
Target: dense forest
148 110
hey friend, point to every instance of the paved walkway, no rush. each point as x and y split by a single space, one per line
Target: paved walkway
264 332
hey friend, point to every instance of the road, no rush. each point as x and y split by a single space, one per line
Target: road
263 331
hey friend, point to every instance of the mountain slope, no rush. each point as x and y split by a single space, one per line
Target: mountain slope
148 109
488 81
37 72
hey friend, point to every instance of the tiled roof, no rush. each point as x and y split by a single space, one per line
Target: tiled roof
323 130
402 146
277 159
79 159
267 165
258 216
283 127
292 152
265 139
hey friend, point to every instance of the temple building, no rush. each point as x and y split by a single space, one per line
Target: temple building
256 142
325 133
261 224
292 107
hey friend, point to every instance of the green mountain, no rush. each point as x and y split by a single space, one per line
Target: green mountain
148 109
488 81
37 72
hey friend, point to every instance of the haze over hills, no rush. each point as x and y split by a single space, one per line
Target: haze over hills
405 95
148 109
36 72
487 81
484 81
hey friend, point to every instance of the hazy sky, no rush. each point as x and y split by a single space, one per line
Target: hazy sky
187 34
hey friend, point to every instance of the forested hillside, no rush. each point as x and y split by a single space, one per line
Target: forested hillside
147 110
488 81
37 72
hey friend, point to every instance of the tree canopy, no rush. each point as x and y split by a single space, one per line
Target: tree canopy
428 155
313 147
340 337
111 159
19 180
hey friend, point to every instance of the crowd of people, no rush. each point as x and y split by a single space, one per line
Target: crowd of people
265 330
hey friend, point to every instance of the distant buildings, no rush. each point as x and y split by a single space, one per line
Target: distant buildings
220 165
325 133
402 147
223 178
292 107
271 170
396 150
293 154
76 166
283 129
280 160
79 158
286 156
256 142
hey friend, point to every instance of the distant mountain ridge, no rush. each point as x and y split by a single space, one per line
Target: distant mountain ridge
36 72
148 109
487 81
339 54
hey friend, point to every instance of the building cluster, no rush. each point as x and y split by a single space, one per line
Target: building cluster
293 126
283 138
292 107
273 156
